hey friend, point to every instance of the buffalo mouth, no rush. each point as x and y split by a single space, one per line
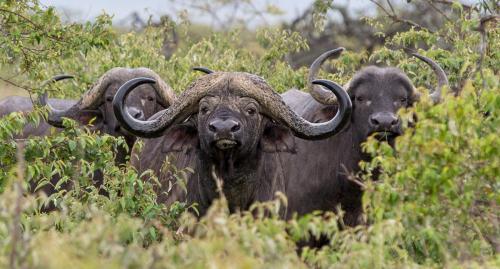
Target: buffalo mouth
226 144
385 135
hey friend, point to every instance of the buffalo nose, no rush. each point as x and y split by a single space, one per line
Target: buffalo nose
383 120
136 113
224 126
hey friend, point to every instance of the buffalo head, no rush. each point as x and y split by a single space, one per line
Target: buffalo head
231 113
96 103
377 93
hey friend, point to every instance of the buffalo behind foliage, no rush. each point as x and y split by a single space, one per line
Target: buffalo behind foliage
435 203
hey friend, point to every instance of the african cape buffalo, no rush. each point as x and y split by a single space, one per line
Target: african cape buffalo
96 105
228 127
319 173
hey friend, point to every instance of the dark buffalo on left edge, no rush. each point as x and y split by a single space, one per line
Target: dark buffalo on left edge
228 127
96 105
322 175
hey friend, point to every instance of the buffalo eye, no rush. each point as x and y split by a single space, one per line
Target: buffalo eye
109 98
204 110
360 98
251 109
404 100
150 99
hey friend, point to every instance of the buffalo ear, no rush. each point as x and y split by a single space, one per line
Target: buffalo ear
415 97
160 105
180 137
86 117
324 114
277 138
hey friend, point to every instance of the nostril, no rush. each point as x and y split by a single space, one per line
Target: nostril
236 127
138 115
374 121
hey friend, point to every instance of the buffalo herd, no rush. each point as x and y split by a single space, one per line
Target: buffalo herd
243 140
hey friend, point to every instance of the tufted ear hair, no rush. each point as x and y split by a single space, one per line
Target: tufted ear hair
277 138
181 137
324 114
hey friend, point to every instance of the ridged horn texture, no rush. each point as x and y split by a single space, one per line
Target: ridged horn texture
93 98
242 84
319 93
442 79
203 69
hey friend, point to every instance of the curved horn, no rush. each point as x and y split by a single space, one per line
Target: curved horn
149 128
43 100
442 79
163 90
90 99
316 131
203 69
317 92
246 85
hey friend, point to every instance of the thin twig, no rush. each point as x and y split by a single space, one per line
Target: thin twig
396 18
438 10
6 80
484 43
20 16
351 177
449 2
390 5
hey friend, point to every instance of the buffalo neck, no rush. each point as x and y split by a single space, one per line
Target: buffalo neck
238 177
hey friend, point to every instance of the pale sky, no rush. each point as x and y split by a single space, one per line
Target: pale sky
89 9
84 10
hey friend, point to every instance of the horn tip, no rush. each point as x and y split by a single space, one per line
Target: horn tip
202 69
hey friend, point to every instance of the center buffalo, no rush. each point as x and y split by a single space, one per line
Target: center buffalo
228 127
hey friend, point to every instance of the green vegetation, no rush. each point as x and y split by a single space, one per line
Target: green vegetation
435 205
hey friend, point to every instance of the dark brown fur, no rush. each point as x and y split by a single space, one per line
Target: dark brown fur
318 175
248 172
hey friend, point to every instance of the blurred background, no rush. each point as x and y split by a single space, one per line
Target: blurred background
345 23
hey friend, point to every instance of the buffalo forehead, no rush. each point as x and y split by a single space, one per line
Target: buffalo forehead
233 83
384 81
